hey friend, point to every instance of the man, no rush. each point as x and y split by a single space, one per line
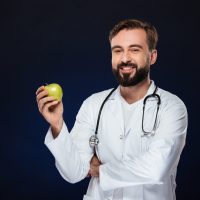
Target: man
139 148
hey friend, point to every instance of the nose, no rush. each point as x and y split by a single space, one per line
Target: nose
126 57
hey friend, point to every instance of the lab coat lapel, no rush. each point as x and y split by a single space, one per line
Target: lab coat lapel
116 109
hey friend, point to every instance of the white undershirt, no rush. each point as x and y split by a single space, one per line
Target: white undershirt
128 110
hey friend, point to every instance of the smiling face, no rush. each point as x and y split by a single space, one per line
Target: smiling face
131 57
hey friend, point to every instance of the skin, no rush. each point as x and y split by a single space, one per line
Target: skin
94 167
127 46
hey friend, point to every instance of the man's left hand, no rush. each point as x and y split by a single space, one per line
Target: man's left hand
94 167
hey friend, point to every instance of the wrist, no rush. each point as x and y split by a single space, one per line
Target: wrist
56 128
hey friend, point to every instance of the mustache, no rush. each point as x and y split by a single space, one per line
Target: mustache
127 65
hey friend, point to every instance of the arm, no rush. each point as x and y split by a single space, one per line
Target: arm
72 151
157 162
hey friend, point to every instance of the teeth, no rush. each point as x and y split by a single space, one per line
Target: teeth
126 68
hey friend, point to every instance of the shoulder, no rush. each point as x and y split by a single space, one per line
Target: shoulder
169 98
94 101
90 107
170 101
98 97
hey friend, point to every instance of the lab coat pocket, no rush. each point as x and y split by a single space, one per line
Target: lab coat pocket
86 197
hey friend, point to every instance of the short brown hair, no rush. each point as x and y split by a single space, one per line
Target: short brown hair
128 24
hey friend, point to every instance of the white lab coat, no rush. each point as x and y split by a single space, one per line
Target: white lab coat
143 168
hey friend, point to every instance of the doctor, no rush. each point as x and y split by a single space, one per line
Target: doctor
138 149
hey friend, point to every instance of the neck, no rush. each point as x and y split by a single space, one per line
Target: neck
134 93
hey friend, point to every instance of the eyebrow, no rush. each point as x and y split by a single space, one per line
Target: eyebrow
133 45
136 45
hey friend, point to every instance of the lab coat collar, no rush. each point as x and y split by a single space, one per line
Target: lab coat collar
116 94
116 108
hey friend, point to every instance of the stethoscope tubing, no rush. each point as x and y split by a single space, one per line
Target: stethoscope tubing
94 139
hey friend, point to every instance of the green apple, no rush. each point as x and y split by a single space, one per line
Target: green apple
54 90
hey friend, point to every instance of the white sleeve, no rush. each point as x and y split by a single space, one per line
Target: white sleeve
156 163
72 152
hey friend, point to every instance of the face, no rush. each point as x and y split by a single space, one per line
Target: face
131 57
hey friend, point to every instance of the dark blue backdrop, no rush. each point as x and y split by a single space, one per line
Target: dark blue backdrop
67 42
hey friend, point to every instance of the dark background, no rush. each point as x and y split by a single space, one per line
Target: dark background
67 42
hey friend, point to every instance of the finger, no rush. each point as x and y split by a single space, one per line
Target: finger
47 106
41 95
95 161
43 101
39 89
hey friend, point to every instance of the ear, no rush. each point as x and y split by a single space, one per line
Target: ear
153 56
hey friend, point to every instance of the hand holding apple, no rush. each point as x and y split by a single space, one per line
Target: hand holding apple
50 106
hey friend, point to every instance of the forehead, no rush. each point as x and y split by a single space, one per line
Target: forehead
130 37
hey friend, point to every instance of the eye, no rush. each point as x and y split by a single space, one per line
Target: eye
117 50
135 50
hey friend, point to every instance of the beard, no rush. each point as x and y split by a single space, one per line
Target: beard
125 79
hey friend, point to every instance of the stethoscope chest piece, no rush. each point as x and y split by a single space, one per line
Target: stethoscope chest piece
94 140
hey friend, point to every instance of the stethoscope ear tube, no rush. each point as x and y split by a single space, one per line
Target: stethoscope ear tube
100 110
94 139
154 95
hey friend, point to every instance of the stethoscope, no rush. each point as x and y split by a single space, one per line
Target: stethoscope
94 140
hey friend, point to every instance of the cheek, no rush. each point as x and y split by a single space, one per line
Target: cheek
114 61
144 59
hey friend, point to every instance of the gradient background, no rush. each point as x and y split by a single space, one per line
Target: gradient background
67 42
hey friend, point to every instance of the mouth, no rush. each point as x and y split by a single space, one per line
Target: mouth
126 69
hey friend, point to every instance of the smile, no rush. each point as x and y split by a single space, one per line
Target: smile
126 69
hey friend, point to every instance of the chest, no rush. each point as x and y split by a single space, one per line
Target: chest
120 132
